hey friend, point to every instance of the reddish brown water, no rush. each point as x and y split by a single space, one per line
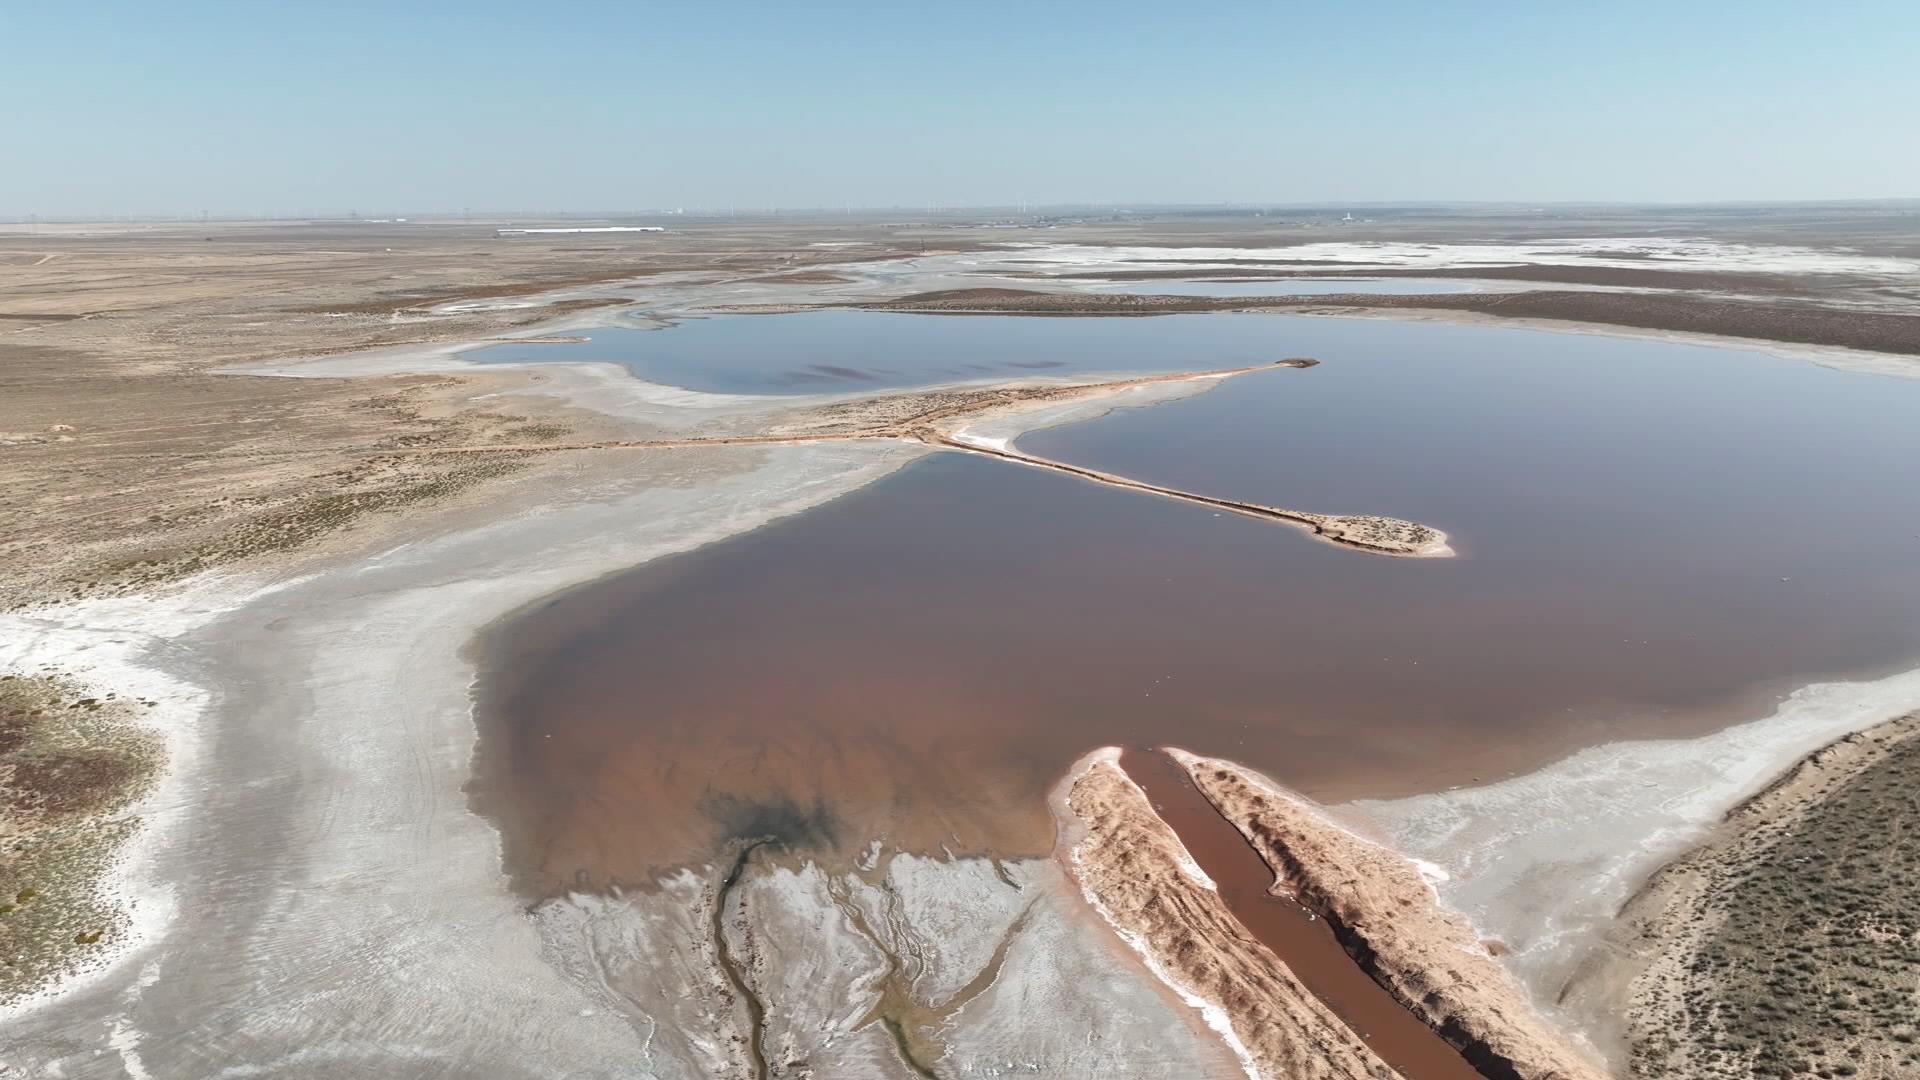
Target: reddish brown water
1657 540
1301 941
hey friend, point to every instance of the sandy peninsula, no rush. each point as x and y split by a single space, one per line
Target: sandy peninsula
1134 871
1385 911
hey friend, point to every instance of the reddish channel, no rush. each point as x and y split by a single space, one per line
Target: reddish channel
1302 941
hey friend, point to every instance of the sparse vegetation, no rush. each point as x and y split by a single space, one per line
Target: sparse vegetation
1802 956
282 525
70 764
175 541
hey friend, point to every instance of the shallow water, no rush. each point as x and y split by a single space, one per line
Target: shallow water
1657 540
818 352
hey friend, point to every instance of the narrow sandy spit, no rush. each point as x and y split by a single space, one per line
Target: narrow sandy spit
1373 535
1384 908
1134 871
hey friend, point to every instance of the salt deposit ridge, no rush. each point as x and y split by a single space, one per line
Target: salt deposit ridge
1627 252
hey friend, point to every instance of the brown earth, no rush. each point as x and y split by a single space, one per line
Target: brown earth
1789 321
1390 920
129 463
1890 227
1786 944
1133 868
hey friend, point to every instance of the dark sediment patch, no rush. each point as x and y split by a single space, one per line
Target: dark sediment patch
778 821
1791 322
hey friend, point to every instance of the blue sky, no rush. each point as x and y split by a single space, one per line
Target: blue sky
283 108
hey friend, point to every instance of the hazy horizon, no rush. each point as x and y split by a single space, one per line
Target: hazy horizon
480 215
237 111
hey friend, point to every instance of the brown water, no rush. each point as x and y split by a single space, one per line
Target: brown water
1304 942
1656 539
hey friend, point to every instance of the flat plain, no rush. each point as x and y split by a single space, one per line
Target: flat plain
256 509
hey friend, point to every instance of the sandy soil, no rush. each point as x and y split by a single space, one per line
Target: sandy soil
1782 946
130 463
1619 277
1135 872
1386 913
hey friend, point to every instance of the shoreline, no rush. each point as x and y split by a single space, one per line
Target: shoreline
1135 873
1666 955
100 649
420 555
1533 859
425 568
1388 913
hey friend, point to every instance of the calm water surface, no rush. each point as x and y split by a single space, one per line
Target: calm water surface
819 352
1656 539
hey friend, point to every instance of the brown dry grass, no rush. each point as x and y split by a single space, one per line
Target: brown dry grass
128 463
1789 945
